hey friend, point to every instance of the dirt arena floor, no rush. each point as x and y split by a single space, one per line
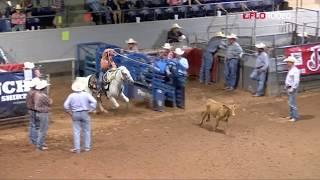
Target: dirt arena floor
142 144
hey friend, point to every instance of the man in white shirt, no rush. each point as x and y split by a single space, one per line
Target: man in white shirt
181 77
292 84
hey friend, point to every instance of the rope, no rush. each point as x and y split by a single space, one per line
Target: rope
126 57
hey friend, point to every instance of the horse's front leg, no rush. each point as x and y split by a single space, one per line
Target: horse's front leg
102 109
114 102
126 99
99 101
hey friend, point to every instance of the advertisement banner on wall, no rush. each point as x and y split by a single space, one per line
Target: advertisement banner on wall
308 58
13 92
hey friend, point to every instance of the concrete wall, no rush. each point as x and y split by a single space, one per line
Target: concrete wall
47 44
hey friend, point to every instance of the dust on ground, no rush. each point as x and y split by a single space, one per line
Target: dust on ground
139 143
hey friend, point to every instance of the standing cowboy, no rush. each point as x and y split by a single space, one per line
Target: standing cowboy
33 123
132 46
232 59
175 35
292 84
214 44
181 77
261 70
106 63
78 105
42 103
166 52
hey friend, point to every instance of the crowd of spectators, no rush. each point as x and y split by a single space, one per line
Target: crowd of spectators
28 15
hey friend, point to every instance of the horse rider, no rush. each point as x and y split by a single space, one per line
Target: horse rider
106 64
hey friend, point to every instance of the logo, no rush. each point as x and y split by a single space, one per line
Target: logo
14 90
314 63
266 16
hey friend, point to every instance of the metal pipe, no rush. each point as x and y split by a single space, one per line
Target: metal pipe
318 24
303 30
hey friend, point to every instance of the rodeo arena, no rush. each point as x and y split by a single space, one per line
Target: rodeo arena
162 89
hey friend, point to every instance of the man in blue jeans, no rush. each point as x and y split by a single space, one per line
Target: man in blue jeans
33 123
292 83
41 106
214 44
260 71
78 104
233 55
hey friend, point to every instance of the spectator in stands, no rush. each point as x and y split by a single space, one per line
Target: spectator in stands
97 8
78 105
8 9
33 123
42 105
166 52
261 70
175 2
151 3
26 4
32 22
58 6
232 59
292 84
214 44
116 10
132 46
190 2
18 19
3 57
175 35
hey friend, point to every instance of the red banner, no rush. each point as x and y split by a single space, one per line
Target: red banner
11 67
308 58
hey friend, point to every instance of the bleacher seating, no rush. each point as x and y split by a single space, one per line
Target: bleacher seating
152 10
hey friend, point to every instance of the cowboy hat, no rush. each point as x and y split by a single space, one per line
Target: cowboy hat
167 46
34 82
28 65
179 51
42 84
305 34
176 25
232 36
260 46
219 34
131 41
18 7
290 59
77 87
